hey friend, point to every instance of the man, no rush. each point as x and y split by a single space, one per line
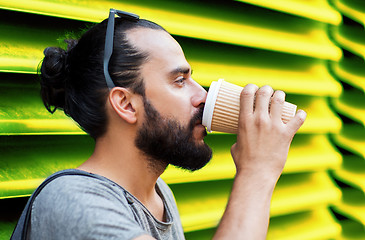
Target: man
149 117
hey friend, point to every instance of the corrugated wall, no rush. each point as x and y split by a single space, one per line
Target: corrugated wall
313 50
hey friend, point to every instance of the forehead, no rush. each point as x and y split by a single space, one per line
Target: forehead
162 49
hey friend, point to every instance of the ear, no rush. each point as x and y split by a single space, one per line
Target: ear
122 102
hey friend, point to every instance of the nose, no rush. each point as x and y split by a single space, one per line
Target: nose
199 95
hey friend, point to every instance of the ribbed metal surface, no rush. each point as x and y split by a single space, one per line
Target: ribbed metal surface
313 50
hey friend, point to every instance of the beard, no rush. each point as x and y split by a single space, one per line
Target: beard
165 141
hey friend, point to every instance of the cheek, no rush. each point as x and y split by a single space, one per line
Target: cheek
172 102
180 110
177 109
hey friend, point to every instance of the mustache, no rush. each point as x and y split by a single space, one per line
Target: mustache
197 118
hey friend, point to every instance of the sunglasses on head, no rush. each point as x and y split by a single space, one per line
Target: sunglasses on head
108 49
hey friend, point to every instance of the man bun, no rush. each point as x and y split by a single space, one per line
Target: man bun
54 76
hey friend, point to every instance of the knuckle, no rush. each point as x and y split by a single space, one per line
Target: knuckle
301 116
249 90
301 121
280 93
276 99
261 120
279 96
265 90
247 95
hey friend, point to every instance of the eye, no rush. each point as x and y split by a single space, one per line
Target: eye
180 80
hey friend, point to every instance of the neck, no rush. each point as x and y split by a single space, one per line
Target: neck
126 165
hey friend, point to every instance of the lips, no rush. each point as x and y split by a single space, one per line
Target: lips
197 119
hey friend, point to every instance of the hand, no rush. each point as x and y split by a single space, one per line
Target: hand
260 154
263 139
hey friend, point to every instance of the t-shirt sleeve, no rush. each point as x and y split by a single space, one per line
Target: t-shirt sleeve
78 207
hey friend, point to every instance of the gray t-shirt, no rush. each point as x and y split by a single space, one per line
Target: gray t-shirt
81 207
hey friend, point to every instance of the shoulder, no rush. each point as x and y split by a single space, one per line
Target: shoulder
75 205
74 189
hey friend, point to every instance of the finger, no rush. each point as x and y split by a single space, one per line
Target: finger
277 103
298 120
247 99
262 101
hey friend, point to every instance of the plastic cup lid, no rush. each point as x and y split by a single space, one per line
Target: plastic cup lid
210 103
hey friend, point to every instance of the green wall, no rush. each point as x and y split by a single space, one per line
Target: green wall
313 50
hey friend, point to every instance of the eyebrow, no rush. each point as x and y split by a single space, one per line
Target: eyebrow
179 70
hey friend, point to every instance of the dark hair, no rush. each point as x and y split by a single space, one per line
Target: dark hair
73 79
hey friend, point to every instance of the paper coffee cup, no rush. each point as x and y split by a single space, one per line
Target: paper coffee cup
222 107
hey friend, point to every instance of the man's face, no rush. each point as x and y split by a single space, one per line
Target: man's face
171 131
